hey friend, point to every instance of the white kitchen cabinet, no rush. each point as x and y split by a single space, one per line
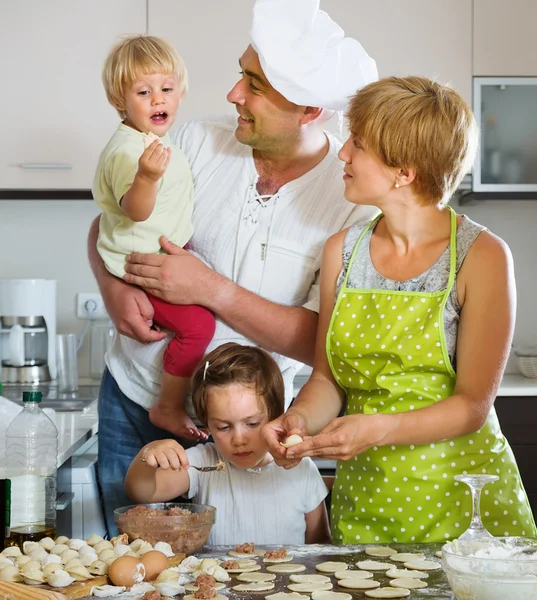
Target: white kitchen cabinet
504 37
415 37
56 118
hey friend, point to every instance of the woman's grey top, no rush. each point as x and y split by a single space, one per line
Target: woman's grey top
363 274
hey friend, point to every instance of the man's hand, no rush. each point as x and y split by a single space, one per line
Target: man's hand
131 312
154 161
177 278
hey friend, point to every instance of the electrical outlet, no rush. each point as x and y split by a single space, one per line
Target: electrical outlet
84 304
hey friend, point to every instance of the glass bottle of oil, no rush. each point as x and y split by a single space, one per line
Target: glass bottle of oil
31 457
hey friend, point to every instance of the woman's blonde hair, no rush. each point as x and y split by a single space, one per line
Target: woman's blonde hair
247 365
414 122
135 56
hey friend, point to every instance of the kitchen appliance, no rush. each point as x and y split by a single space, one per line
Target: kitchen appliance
27 330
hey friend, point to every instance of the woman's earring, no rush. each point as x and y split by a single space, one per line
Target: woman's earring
396 184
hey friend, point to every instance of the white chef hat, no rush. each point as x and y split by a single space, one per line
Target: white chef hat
306 56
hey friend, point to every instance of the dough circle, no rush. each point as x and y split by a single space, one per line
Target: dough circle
373 565
278 560
309 578
245 566
331 566
358 584
388 593
350 574
236 554
380 551
330 596
408 573
286 568
192 587
249 577
292 440
287 596
423 565
408 583
312 586
254 586
406 557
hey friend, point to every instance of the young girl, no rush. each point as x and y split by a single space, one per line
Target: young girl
236 390
145 194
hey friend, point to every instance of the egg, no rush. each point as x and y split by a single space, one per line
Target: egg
126 571
155 562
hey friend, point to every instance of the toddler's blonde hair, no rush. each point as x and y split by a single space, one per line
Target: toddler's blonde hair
139 55
415 122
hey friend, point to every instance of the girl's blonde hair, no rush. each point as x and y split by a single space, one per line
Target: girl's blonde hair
414 122
247 365
135 56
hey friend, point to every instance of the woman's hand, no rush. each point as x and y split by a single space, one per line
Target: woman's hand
278 431
166 454
177 277
343 438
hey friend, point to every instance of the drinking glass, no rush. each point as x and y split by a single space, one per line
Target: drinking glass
66 356
476 483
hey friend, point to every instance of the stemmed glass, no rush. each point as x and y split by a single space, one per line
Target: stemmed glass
476 483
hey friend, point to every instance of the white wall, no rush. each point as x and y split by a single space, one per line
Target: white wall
48 238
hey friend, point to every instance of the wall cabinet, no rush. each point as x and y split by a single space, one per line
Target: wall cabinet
504 37
56 116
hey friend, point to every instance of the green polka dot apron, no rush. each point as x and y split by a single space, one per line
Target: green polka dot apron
387 350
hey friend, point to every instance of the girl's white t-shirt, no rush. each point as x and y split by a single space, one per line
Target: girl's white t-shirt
265 505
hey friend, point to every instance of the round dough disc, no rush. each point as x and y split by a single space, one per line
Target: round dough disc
309 578
236 554
373 565
249 577
330 596
351 574
423 565
278 560
217 597
407 573
192 587
406 557
286 568
254 586
331 566
388 593
313 586
245 566
287 596
408 583
358 584
380 551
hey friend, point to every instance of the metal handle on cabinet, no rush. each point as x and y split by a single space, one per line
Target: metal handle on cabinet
64 500
45 166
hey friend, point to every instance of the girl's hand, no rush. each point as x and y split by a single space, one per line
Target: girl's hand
166 454
343 438
278 431
154 161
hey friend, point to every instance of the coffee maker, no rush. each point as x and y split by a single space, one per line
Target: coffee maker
27 330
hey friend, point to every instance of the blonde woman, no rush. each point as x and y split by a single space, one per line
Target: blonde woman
417 317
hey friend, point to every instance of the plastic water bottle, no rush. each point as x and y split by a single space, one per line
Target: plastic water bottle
31 458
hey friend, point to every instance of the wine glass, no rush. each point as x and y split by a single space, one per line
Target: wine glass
476 483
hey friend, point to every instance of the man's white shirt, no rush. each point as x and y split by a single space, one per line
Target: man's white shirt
272 247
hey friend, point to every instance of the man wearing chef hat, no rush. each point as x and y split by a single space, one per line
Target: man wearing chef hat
268 193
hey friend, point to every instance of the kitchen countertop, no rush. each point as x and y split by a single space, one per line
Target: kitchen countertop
310 555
